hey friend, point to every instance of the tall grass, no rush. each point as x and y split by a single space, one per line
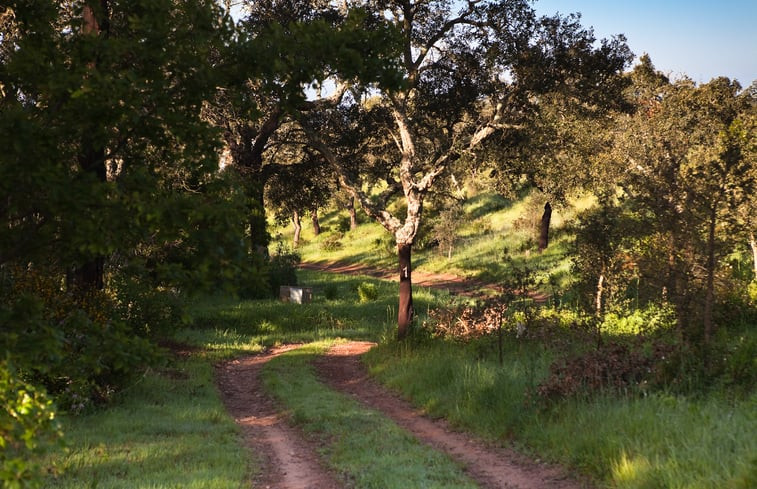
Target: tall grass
635 442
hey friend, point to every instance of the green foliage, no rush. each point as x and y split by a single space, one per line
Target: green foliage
752 292
29 430
332 242
282 269
603 256
331 292
367 292
149 312
72 344
446 228
651 319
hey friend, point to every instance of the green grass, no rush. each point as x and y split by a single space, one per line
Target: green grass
654 441
169 430
226 326
360 444
490 240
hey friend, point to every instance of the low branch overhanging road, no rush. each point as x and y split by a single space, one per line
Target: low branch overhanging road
290 461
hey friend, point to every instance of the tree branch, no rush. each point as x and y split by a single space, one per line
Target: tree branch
391 223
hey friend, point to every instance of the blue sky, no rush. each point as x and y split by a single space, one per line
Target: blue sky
698 38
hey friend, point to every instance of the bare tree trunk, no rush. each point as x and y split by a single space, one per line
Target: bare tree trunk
316 223
544 227
90 274
405 313
600 291
297 228
353 215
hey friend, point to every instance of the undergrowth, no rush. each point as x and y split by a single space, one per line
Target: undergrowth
624 408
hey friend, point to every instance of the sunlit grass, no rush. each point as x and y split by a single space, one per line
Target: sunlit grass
627 442
489 242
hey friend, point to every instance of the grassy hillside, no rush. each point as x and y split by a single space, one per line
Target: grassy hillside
494 234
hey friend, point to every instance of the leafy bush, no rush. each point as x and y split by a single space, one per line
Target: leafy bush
73 344
332 242
367 292
343 224
28 430
752 292
153 312
648 319
282 269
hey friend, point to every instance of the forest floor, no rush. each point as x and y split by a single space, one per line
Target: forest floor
289 460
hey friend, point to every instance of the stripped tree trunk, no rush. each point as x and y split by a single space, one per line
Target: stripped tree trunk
297 228
316 223
405 313
544 227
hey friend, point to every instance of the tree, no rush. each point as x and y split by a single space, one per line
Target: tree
684 156
302 185
260 98
468 75
108 175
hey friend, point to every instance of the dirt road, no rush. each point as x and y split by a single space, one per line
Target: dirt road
289 461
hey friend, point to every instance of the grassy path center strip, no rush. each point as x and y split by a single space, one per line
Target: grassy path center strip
361 445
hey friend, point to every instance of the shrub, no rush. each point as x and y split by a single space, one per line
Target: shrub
331 292
367 292
332 242
28 430
74 345
343 224
282 269
752 292
151 312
